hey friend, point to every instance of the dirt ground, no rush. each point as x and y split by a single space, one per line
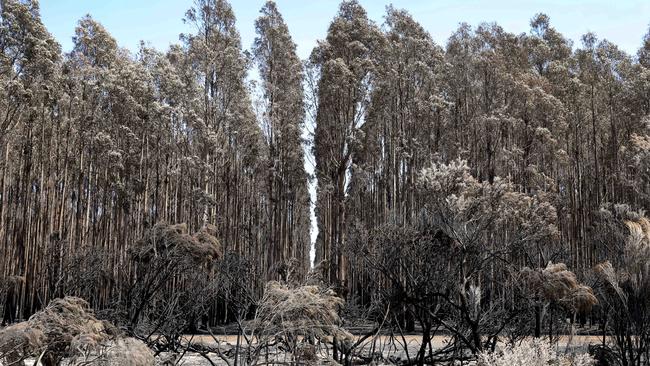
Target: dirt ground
395 351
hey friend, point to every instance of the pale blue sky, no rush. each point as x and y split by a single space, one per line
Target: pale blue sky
159 22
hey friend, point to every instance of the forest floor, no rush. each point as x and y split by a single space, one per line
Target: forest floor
391 349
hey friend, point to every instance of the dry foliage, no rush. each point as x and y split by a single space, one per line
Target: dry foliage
66 327
173 240
635 259
623 288
637 247
308 311
606 273
556 283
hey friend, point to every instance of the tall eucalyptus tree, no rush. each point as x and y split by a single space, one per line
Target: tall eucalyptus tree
345 62
281 73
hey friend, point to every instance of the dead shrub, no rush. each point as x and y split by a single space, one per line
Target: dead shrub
557 284
165 240
304 310
294 316
58 331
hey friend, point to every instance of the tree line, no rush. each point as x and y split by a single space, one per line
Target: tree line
565 124
99 145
